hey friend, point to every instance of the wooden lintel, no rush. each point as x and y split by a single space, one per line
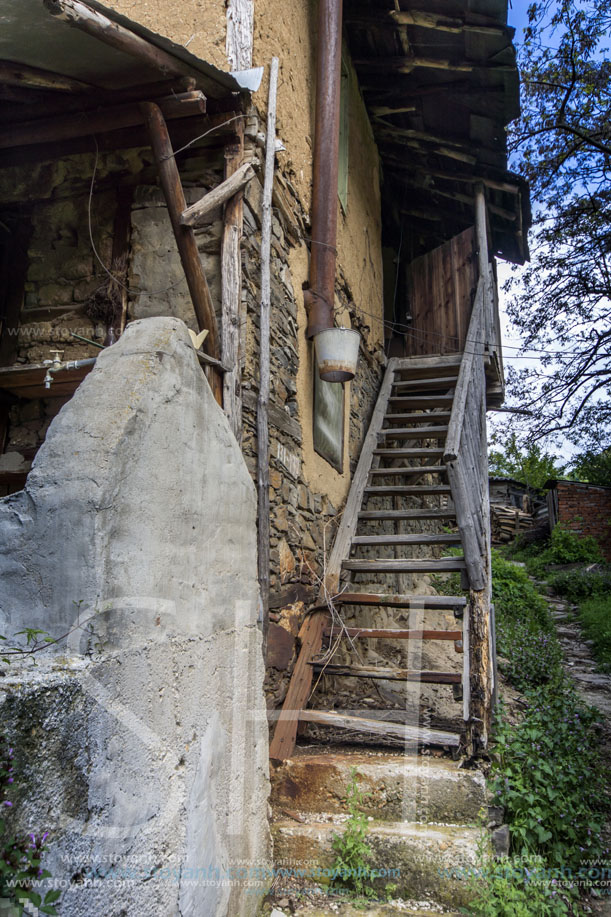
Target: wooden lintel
80 124
387 673
171 186
233 184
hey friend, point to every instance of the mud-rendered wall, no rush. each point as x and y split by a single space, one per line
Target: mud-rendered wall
141 741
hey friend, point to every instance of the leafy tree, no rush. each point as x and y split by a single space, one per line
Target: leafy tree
561 303
595 468
531 466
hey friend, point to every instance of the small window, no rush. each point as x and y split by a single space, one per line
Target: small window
344 123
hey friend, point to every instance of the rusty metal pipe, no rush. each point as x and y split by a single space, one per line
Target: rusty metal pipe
320 295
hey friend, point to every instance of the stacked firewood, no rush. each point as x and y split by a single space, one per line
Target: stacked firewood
507 522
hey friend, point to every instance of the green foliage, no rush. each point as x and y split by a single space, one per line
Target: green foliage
20 857
593 467
548 773
579 583
530 465
595 617
352 865
562 299
503 891
525 634
564 547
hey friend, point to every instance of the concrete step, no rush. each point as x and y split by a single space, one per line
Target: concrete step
422 861
413 788
390 909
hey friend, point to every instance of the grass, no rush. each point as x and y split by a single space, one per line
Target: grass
595 618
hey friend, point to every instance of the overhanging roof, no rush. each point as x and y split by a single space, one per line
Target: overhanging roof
440 82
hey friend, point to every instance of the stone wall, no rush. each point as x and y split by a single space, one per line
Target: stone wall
586 510
141 736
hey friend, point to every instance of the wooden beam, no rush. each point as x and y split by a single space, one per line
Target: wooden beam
84 124
380 728
171 186
97 25
264 358
392 633
387 673
234 183
388 65
423 20
231 278
16 74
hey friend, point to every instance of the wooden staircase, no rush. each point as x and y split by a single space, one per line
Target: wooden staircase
426 442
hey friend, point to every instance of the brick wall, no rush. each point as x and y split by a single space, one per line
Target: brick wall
586 509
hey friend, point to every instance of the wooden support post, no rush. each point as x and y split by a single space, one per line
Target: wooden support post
481 670
185 237
231 282
264 357
119 264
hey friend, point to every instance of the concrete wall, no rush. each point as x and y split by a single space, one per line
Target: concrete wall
141 739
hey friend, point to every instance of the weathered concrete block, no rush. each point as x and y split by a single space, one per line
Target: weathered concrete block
142 737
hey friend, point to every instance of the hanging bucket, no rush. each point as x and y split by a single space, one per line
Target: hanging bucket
337 353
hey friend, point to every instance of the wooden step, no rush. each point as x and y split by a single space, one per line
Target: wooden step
392 633
398 452
415 432
388 673
432 365
380 728
425 402
451 538
429 417
410 469
438 383
400 600
401 565
398 514
408 490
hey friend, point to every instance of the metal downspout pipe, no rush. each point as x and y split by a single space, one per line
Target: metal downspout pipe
319 296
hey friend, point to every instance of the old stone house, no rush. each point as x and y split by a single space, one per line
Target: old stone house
359 166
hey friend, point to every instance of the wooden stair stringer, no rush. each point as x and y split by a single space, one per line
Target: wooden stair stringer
312 630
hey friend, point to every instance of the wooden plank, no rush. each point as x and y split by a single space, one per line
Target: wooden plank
397 600
185 237
300 685
430 417
380 728
407 490
264 366
421 538
400 453
13 73
421 385
236 181
408 470
347 527
239 42
26 381
397 565
397 514
415 432
426 365
392 633
231 287
427 401
387 674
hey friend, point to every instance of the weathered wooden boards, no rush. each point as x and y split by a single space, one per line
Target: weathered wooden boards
237 177
362 725
240 16
385 673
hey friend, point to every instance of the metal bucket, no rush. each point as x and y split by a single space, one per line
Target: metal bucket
337 353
